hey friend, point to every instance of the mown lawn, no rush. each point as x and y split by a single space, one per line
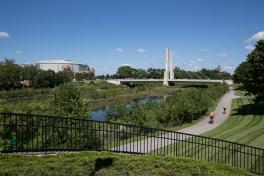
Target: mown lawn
109 164
245 125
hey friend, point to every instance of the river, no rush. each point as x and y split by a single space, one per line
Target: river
100 113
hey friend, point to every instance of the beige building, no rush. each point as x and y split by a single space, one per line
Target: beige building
64 65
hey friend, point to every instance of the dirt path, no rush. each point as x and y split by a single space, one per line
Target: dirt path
154 143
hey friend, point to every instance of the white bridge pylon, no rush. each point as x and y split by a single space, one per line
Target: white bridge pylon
168 73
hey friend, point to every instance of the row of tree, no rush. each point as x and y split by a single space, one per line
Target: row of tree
129 72
12 75
250 73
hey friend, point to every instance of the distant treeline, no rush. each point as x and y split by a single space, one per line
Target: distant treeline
129 72
13 76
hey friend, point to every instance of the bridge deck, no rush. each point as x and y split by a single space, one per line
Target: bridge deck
170 81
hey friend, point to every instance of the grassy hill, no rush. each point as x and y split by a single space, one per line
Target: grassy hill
245 125
105 163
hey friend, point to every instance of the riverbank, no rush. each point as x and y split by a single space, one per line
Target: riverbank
155 91
93 94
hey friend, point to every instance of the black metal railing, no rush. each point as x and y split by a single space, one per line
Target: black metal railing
38 133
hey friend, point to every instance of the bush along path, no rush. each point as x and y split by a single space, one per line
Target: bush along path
150 144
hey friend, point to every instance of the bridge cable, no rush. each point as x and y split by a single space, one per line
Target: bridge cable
203 75
197 75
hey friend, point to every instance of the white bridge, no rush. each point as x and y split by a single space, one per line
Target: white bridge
170 81
168 78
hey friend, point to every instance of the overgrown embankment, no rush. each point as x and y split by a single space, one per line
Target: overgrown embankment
25 93
110 164
181 106
93 94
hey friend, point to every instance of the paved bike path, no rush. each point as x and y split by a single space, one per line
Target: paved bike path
154 143
203 125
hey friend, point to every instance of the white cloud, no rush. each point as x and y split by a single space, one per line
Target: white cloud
18 52
127 65
253 40
256 37
221 55
204 49
141 50
4 35
196 68
192 61
233 53
199 59
228 67
250 47
120 50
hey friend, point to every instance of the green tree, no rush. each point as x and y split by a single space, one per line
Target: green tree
155 73
140 74
83 75
63 77
253 80
125 72
67 102
241 72
10 74
46 78
30 72
214 74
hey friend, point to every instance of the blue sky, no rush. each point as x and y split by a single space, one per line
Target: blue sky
108 33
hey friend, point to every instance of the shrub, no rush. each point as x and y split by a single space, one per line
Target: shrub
67 102
106 163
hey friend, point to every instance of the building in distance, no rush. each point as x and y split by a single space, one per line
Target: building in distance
218 69
64 65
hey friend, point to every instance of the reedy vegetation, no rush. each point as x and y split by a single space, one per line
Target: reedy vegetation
181 106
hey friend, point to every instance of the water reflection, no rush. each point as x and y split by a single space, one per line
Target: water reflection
100 113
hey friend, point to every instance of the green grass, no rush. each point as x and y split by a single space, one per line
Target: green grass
105 163
242 93
25 93
245 125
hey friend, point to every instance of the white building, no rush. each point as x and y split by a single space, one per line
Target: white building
62 65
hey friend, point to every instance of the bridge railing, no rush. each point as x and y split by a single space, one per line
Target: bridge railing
37 133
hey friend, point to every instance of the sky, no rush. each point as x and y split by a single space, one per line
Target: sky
106 34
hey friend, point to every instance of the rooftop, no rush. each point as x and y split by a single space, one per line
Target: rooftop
56 62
